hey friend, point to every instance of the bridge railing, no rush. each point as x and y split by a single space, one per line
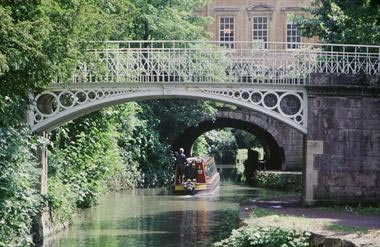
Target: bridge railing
228 62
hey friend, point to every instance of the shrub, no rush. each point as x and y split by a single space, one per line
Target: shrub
281 181
253 236
19 200
84 156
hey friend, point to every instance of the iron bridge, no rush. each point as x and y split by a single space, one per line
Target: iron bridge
265 77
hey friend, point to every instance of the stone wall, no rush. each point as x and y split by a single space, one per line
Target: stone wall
347 120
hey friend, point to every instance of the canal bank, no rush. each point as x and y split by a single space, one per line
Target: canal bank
328 227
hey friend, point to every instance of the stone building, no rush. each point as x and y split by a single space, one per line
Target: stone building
253 20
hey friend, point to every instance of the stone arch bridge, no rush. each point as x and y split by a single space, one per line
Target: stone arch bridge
328 94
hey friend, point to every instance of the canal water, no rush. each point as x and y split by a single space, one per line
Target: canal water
157 218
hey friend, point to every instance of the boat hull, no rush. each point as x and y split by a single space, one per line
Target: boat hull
193 188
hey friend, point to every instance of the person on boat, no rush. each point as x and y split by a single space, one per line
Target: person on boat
180 163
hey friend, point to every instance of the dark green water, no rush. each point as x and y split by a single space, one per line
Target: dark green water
156 218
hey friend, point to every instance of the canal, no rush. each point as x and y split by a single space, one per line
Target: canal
154 217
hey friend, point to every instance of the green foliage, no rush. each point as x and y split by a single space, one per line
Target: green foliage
228 219
278 181
346 229
174 116
200 146
167 20
340 21
12 111
253 236
246 140
44 40
151 159
19 200
84 156
41 41
356 209
221 144
261 212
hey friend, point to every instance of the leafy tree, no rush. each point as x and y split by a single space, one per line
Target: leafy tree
174 116
84 157
19 200
200 146
41 41
44 40
219 143
341 21
245 139
168 20
145 156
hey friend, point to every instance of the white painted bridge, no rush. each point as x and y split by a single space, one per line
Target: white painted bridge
265 77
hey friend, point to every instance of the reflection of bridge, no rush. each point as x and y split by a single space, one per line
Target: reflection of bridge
328 93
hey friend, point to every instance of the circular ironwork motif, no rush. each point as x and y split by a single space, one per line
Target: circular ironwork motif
270 100
66 99
245 96
290 104
47 104
81 97
256 97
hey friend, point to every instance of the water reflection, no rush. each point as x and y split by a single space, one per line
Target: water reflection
154 218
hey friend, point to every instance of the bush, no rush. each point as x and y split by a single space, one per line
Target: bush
282 181
226 220
19 200
253 236
84 156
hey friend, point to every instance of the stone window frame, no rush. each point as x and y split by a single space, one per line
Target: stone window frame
228 44
263 45
294 40
260 10
290 12
226 12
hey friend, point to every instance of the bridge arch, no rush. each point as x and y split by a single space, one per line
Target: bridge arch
274 153
56 106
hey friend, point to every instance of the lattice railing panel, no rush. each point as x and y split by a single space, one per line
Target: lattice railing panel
205 62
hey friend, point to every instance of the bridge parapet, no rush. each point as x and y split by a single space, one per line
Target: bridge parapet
211 62
267 77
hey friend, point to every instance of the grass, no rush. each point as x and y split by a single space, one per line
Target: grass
267 194
345 229
261 212
366 210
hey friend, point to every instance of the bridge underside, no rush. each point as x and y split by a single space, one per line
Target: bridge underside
274 153
58 105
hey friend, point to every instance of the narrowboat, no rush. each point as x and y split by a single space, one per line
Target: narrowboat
200 175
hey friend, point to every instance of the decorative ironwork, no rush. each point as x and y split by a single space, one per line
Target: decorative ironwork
59 105
207 62
246 75
289 104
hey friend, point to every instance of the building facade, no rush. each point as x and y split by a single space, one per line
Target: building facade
257 21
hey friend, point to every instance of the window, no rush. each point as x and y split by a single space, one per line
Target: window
260 32
293 37
227 32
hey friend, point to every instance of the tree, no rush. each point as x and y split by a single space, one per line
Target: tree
342 21
44 40
246 140
41 41
168 20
